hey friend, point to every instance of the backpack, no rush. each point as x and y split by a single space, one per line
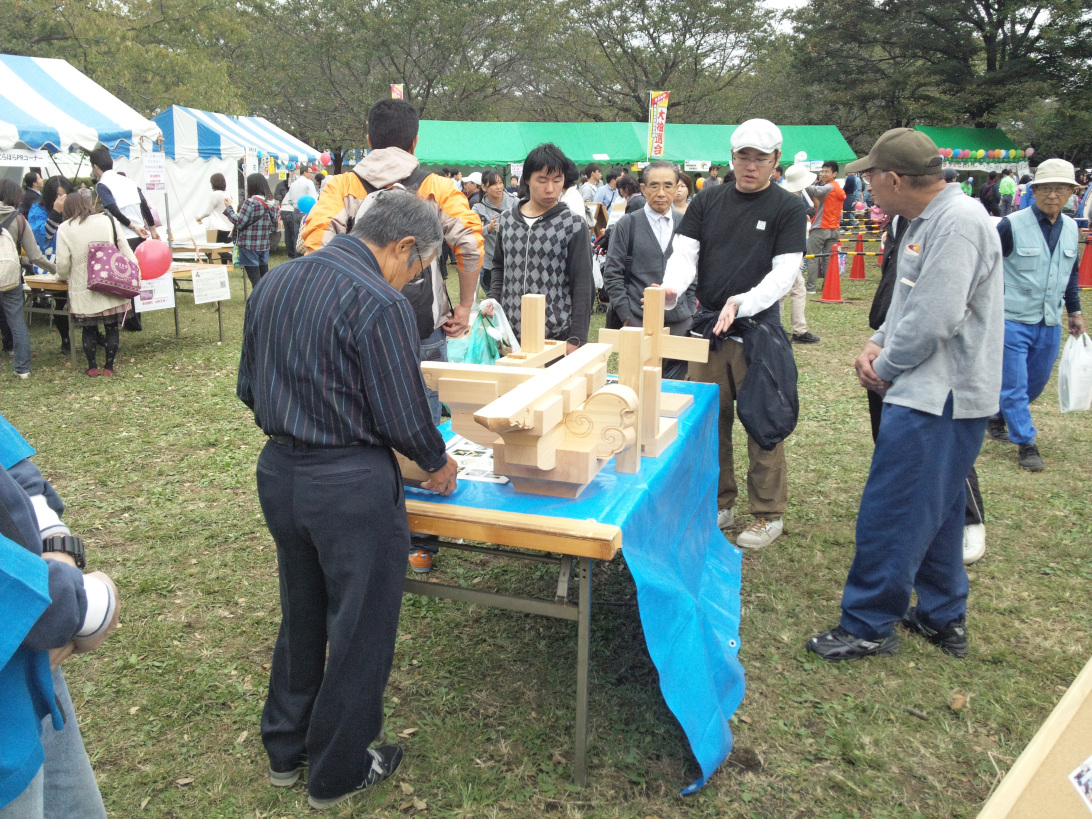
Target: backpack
10 267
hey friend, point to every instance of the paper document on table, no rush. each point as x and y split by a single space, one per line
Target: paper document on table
475 461
210 284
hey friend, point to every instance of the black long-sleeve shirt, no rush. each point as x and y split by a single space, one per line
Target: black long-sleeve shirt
331 356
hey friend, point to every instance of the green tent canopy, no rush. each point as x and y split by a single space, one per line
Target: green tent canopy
497 143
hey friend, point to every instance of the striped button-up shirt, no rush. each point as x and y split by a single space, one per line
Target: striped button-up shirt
331 356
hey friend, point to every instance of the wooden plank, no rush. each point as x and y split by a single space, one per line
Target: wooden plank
553 350
505 378
466 391
532 323
673 404
653 321
573 468
534 532
513 410
629 375
665 437
650 408
684 348
1038 786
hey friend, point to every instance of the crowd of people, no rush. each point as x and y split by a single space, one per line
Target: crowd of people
967 322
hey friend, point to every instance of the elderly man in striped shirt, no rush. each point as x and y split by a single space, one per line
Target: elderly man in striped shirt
330 368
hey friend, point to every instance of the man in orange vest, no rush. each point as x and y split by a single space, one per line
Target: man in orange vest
828 197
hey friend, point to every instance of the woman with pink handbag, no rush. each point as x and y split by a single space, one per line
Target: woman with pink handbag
81 228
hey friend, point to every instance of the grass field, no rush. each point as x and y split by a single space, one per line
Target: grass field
157 468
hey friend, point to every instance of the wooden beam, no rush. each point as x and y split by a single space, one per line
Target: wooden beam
532 323
513 411
629 375
553 350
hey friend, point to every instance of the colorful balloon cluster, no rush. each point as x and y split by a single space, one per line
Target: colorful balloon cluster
964 153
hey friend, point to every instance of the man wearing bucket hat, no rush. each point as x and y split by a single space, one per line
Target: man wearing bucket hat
795 180
937 361
751 237
1040 247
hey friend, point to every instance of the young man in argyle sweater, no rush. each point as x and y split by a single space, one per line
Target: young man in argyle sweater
543 247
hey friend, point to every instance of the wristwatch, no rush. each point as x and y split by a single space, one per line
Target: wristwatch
67 544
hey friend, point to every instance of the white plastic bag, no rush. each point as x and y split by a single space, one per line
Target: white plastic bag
503 331
1075 375
596 273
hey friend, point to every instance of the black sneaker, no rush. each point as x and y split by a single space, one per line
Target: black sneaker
385 761
805 338
952 639
838 644
997 430
66 348
1030 459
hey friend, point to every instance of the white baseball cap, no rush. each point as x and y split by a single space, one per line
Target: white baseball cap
760 134
798 177
475 177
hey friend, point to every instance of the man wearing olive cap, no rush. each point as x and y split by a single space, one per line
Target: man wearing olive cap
1040 247
937 361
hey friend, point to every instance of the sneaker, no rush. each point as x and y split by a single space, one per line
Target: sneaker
760 533
805 338
23 376
420 561
974 543
385 761
1030 459
66 348
810 292
952 639
725 518
838 644
93 372
997 430
284 779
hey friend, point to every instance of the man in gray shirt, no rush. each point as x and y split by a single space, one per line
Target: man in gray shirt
937 361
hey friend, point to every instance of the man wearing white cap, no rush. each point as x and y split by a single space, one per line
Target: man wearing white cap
744 242
1040 247
795 180
472 188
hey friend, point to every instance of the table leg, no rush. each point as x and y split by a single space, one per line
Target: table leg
583 640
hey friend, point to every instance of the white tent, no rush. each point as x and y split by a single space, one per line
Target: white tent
198 144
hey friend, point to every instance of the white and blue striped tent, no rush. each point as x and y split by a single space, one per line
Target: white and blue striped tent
48 104
192 134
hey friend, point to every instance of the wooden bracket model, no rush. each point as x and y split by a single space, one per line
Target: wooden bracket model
641 351
553 428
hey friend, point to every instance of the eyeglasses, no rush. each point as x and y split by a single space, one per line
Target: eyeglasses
1053 190
867 175
752 163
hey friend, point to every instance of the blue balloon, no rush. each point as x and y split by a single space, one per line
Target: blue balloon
305 204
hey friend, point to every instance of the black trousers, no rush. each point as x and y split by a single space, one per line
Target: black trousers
338 517
975 512
133 322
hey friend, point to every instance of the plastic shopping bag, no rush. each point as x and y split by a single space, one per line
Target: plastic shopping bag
502 331
1075 375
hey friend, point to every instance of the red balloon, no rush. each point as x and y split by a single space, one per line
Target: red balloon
154 258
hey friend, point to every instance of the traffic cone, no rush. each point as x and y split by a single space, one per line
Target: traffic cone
832 285
857 270
1084 275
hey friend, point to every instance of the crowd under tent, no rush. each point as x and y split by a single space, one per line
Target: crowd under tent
51 114
197 144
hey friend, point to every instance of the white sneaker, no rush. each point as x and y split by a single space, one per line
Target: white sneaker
23 376
760 533
974 543
725 518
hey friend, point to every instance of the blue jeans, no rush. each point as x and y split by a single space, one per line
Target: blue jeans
1030 353
65 785
434 348
11 301
910 525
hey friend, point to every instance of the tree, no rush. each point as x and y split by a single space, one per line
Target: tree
606 57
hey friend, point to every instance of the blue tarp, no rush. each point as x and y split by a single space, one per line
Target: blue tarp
687 573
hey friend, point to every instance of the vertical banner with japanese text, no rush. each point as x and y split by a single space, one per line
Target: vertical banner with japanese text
657 120
396 91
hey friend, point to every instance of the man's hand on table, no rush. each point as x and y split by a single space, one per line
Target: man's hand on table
444 479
